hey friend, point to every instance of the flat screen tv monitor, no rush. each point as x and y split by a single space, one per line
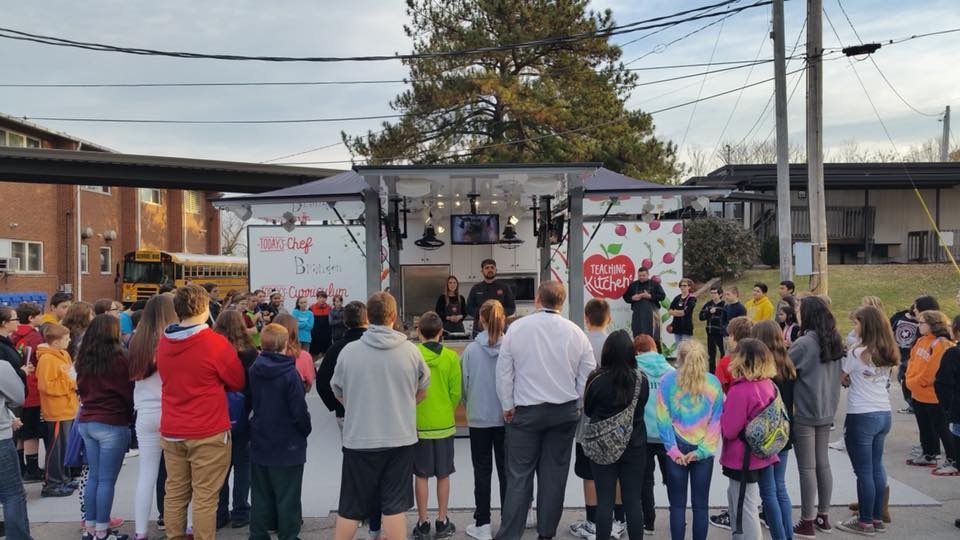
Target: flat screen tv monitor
472 229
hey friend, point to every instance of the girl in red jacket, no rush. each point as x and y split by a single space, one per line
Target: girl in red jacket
752 389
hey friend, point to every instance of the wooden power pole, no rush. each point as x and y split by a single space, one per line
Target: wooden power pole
945 145
783 148
815 191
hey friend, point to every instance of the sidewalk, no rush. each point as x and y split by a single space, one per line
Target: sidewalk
922 504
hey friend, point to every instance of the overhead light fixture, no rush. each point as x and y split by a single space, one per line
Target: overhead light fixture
512 220
439 204
429 241
494 202
289 221
509 238
457 203
441 229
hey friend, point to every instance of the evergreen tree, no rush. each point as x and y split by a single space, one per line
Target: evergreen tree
524 105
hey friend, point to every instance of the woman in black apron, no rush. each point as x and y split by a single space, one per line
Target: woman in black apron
451 307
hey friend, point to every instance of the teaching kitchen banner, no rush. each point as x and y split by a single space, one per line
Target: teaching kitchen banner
611 261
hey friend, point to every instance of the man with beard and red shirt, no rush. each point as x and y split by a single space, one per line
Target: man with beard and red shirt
25 339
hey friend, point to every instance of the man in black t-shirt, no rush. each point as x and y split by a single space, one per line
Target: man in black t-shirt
489 289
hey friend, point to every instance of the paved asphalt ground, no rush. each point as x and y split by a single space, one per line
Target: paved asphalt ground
915 519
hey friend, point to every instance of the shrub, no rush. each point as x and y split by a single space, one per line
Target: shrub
770 251
716 247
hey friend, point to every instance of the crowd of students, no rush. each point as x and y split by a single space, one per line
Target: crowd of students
210 400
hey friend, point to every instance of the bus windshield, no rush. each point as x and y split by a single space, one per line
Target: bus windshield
145 272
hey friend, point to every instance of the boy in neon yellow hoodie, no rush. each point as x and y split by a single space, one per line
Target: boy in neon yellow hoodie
436 426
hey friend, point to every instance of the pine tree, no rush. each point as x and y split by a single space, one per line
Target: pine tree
522 106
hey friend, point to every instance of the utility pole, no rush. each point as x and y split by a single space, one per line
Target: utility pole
783 150
815 191
945 145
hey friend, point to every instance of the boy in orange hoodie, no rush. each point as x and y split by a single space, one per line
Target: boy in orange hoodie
57 383
935 339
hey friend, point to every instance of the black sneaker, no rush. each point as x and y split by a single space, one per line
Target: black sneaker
111 535
444 530
239 523
161 526
56 490
421 531
721 520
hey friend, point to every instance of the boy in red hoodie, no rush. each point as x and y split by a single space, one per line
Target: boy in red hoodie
25 340
196 365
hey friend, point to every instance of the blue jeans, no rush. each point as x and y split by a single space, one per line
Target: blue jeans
864 437
12 495
777 508
104 445
240 464
698 475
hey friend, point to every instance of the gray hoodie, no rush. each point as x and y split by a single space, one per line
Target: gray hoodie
377 378
817 390
479 368
11 396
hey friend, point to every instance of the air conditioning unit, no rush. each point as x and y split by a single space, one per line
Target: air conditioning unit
9 264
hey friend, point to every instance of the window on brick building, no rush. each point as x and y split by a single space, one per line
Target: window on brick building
84 259
105 260
29 253
97 189
150 195
192 202
11 138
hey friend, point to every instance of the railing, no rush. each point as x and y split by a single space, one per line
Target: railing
924 246
843 222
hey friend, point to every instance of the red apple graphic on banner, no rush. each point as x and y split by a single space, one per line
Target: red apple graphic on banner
608 275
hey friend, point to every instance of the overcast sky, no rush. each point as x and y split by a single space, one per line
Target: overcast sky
923 70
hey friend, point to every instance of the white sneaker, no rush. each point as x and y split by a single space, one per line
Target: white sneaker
619 527
132 453
479 533
838 445
583 529
532 519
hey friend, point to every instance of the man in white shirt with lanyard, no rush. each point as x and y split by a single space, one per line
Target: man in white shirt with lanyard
541 373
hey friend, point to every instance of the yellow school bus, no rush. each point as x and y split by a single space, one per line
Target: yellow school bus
146 271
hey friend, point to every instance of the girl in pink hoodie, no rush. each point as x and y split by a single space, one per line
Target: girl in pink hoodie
752 389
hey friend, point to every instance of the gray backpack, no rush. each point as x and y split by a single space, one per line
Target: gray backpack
605 441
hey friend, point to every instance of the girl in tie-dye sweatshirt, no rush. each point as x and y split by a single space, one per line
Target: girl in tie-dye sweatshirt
689 403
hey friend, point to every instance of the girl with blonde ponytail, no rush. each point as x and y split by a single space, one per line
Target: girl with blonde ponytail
689 403
484 412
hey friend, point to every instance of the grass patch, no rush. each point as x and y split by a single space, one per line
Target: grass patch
896 284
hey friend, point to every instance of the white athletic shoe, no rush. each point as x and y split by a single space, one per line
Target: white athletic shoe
532 519
479 533
583 529
839 444
618 529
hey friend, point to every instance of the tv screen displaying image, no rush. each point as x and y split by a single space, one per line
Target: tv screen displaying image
475 229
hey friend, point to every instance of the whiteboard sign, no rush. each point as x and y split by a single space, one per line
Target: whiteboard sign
309 259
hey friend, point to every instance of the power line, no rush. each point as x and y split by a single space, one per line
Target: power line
162 121
622 45
736 103
880 71
560 133
327 120
693 112
735 63
664 46
10 33
897 41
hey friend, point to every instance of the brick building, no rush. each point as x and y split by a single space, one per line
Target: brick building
70 237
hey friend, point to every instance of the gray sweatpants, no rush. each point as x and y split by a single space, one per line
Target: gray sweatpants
813 460
539 440
751 512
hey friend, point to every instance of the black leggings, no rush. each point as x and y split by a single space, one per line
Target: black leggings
655 453
934 430
629 471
